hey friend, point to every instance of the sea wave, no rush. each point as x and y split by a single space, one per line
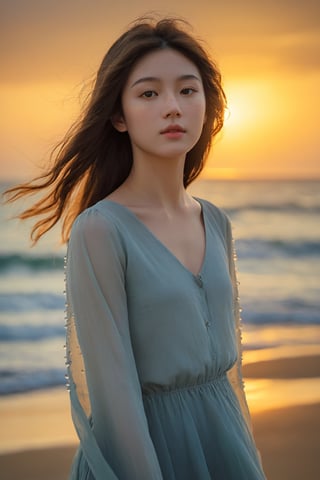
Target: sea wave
23 302
21 333
18 381
290 316
19 261
285 310
286 207
259 248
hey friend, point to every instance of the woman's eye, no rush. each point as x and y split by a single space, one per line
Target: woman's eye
188 91
149 94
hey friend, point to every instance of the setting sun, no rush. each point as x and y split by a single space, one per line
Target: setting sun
244 113
269 69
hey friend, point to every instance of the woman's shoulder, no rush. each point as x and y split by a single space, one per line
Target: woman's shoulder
215 214
95 235
102 218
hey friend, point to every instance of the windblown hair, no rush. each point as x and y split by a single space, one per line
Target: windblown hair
94 158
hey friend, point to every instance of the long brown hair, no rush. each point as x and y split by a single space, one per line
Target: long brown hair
94 159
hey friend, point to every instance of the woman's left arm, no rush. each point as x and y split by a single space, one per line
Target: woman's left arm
235 373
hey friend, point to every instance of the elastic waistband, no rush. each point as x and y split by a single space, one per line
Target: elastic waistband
153 389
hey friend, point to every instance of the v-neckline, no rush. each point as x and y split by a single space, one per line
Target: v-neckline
159 242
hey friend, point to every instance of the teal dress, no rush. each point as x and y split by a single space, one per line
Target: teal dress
153 354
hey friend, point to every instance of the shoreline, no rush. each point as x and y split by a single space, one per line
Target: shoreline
37 438
291 455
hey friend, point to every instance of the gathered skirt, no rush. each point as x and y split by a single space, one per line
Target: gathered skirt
199 433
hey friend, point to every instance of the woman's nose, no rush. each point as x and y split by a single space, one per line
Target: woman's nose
173 114
172 108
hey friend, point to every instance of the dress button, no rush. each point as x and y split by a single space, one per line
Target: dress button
208 324
199 281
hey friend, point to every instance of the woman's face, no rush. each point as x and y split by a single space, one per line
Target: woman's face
163 105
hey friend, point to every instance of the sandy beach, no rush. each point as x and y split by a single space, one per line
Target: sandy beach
37 440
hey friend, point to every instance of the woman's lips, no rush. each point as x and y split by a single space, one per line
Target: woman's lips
173 131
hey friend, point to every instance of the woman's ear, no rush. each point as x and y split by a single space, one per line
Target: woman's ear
119 123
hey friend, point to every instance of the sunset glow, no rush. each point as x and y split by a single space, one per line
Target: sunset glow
269 65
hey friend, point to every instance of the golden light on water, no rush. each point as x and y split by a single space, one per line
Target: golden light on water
268 394
277 378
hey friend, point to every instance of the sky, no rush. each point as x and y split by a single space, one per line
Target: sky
268 53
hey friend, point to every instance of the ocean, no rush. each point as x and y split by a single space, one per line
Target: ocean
277 233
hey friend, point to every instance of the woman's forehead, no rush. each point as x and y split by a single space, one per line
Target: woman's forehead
164 63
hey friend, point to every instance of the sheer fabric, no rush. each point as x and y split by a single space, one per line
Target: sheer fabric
154 354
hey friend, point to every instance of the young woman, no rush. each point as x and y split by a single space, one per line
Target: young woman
153 335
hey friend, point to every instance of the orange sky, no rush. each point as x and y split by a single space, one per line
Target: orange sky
268 52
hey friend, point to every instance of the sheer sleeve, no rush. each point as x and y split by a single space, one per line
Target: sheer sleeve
235 373
106 399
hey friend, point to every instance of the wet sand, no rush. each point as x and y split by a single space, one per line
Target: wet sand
37 440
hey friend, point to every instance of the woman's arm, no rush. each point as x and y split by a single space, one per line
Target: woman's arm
97 303
235 373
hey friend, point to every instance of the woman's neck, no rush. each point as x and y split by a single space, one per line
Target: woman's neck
157 183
